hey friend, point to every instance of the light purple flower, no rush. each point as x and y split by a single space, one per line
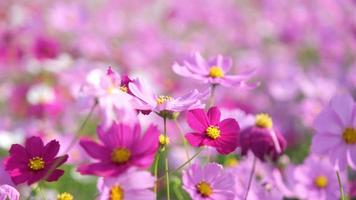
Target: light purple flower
132 185
314 179
148 101
336 132
208 182
213 71
8 192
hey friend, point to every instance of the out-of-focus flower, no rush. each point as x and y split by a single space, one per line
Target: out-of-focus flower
8 192
45 48
314 179
213 71
133 185
111 95
65 196
336 132
208 182
210 131
262 139
121 147
34 161
352 189
148 101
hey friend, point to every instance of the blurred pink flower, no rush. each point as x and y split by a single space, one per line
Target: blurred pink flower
209 130
336 132
45 48
34 161
133 185
213 71
121 147
9 192
208 182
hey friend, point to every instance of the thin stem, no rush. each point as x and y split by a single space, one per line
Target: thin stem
155 169
212 97
166 159
251 176
185 144
342 194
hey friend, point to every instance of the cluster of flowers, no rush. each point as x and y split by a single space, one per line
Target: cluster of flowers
218 140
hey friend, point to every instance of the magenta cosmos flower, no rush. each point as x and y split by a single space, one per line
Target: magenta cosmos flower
148 101
208 182
210 131
262 139
121 147
314 179
34 161
132 185
8 192
213 71
336 132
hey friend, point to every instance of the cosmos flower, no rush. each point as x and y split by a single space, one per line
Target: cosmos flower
146 100
314 179
45 48
121 147
132 185
112 96
214 71
210 131
262 139
34 161
208 182
336 132
8 192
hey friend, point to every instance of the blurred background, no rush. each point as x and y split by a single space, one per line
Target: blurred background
304 52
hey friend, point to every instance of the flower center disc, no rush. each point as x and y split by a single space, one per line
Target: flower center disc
120 155
321 181
213 132
349 135
204 189
116 193
65 196
216 72
162 99
36 163
264 121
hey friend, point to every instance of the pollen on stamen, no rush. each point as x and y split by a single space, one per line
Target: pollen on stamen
65 196
213 132
216 72
120 155
36 163
349 135
204 189
263 120
163 98
116 193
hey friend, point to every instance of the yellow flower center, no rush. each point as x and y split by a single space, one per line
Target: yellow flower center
349 135
204 189
116 193
231 162
163 140
263 120
124 89
120 155
36 163
213 132
65 196
216 72
321 181
162 99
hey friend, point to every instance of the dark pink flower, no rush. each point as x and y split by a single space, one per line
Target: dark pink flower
45 48
34 161
121 147
262 139
210 131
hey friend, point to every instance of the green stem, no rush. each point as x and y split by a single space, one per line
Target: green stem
212 97
251 176
342 194
166 159
155 169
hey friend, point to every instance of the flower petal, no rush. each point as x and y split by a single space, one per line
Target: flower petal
34 146
197 120
94 149
214 115
343 105
50 150
195 139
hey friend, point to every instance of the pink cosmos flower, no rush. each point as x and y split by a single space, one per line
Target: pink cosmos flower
121 147
132 185
8 192
336 132
208 182
34 161
314 179
146 100
213 71
111 94
262 139
210 131
45 48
